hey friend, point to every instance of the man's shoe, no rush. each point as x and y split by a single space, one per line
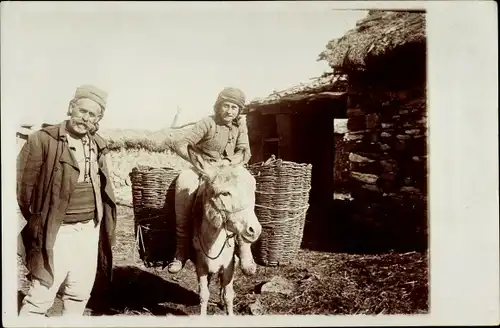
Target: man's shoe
175 266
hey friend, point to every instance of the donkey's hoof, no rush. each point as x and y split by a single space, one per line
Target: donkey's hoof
249 269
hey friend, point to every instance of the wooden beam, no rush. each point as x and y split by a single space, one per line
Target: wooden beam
279 106
285 133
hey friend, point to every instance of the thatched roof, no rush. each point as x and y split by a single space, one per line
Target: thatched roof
374 36
319 86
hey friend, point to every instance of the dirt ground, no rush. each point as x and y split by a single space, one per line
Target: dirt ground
322 282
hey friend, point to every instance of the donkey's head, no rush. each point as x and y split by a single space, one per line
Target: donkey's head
228 197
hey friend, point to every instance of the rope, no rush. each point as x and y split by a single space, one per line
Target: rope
136 245
221 250
223 212
262 222
283 208
140 238
282 193
149 228
200 236
152 229
139 241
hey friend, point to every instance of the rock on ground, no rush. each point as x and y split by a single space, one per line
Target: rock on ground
278 284
256 308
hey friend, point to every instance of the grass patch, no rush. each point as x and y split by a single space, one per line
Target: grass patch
329 283
324 283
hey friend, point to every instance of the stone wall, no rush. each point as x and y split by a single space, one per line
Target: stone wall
387 145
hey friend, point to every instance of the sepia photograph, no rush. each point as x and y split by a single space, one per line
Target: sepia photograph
202 161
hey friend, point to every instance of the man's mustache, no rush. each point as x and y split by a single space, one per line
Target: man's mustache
92 127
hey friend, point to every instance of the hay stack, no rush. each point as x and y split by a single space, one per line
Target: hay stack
157 141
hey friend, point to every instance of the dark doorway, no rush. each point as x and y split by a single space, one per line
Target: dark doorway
303 132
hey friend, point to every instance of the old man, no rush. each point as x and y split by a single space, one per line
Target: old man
65 194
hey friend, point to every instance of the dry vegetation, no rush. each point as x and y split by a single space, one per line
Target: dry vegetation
374 36
152 141
324 283
325 280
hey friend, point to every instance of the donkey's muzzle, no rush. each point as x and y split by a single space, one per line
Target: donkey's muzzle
252 231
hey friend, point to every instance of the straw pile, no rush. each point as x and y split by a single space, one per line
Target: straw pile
128 139
375 36
152 141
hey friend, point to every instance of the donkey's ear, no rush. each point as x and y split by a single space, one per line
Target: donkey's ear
197 161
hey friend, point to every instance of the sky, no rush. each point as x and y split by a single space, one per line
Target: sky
154 58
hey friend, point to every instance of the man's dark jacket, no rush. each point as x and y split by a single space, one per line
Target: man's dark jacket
47 174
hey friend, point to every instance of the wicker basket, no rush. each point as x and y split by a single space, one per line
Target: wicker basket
281 203
153 196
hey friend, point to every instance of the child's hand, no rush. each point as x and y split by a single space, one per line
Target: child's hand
240 120
225 162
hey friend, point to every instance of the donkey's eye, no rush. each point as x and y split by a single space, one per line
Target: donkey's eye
225 193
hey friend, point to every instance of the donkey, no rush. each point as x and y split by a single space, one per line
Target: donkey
226 200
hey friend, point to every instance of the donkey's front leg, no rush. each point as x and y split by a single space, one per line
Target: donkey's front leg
204 293
227 289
